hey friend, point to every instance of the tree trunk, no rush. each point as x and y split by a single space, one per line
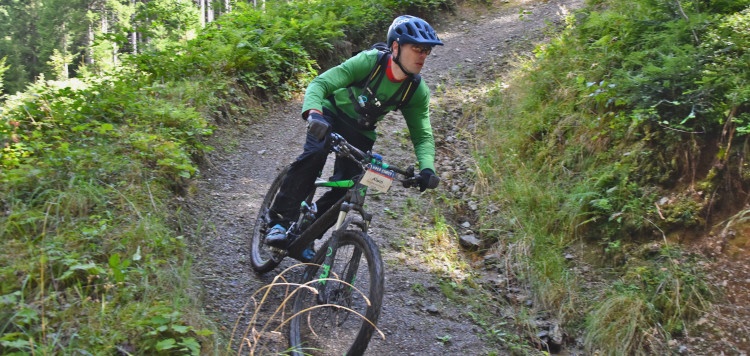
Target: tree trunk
134 34
89 53
64 70
203 13
210 11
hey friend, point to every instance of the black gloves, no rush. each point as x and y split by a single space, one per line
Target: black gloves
427 179
317 125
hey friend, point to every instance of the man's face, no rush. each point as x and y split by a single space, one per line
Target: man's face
413 56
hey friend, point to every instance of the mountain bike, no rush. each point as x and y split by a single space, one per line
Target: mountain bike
339 304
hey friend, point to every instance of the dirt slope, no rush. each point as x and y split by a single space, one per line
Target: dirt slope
416 318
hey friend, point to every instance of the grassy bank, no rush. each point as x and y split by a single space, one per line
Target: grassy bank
601 151
93 170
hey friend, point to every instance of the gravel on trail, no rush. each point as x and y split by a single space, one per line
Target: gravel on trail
416 318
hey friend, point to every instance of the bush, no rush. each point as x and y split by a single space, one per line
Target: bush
91 258
625 129
84 178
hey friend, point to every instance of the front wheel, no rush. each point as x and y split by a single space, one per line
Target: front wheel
327 323
263 257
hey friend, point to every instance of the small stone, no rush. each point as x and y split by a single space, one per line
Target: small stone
500 282
492 259
556 336
469 241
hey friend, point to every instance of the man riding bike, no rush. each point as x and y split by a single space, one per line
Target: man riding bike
350 99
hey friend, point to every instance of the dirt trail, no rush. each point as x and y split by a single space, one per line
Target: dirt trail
416 317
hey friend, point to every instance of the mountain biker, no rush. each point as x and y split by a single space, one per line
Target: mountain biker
336 100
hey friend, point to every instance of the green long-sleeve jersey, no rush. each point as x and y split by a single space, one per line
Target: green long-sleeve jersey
334 82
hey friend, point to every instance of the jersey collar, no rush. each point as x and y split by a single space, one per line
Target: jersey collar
389 72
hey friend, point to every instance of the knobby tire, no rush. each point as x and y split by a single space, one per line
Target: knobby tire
323 329
264 258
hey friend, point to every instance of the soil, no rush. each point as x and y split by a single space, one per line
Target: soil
416 318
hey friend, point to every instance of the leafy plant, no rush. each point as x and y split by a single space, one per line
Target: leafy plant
625 128
445 339
69 175
92 168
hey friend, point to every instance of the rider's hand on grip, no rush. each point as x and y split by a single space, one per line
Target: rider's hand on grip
317 125
427 179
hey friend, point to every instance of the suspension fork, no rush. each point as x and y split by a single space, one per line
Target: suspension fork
349 276
338 229
354 201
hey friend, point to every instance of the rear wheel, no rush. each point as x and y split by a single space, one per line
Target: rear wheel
264 257
327 323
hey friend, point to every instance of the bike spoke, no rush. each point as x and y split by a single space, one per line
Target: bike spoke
342 318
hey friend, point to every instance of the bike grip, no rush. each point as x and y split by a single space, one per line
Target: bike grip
317 126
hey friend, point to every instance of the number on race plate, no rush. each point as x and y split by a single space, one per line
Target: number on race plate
378 178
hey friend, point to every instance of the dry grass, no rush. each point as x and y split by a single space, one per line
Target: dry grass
263 333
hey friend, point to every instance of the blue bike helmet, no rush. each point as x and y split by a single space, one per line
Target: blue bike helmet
411 29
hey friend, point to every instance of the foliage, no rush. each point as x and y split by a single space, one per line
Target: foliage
626 128
93 258
276 50
648 82
655 297
84 174
726 48
166 22
86 35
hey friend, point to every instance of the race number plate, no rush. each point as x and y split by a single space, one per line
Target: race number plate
378 178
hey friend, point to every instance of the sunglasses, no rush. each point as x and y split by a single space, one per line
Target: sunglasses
421 49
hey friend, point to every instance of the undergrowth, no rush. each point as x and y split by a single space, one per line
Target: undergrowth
93 170
627 128
604 143
90 261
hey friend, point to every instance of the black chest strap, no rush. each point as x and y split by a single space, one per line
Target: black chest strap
367 105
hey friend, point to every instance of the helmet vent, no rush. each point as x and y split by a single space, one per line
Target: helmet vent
410 29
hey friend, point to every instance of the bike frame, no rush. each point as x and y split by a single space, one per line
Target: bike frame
353 200
349 229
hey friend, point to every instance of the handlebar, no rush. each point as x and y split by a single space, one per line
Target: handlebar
340 146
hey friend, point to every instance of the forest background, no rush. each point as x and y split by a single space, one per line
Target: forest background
623 140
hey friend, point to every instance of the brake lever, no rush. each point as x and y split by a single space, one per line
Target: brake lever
411 178
409 182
